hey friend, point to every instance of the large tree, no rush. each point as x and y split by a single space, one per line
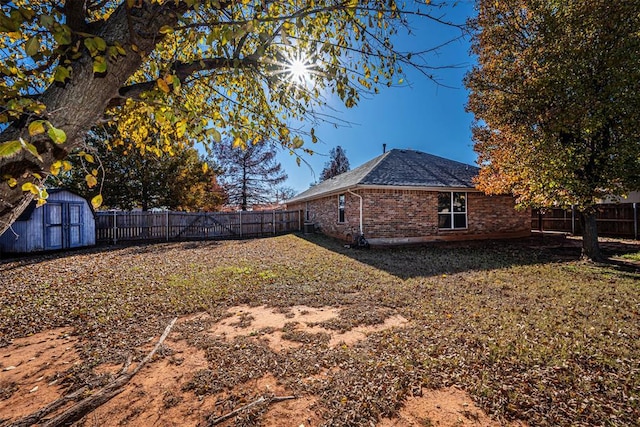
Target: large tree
183 69
127 178
337 164
249 175
556 96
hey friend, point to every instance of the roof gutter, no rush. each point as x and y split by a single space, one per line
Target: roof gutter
346 189
381 187
417 188
360 197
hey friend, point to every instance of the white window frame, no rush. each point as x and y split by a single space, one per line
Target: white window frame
342 201
452 212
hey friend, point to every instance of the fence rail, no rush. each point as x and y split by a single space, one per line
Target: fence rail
614 220
115 226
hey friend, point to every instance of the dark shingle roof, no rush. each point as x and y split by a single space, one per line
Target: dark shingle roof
405 168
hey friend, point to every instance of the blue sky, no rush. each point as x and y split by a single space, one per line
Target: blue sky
421 115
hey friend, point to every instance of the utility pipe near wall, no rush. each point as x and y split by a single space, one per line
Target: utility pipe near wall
635 220
360 197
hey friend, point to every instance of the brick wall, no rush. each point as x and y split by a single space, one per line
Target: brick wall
407 216
400 213
323 212
493 214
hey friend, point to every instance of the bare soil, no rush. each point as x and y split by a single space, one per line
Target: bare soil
156 395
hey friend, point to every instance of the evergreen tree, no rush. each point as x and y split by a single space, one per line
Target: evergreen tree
128 179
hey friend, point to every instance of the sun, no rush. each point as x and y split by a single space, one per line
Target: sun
299 69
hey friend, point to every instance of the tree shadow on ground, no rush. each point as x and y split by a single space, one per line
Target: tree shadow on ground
13 261
437 258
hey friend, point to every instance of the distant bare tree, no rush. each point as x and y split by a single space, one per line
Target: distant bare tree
249 174
337 164
283 193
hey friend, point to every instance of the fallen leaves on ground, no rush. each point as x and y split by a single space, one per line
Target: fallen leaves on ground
530 332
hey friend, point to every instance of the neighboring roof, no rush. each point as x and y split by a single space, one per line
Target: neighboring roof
398 168
632 197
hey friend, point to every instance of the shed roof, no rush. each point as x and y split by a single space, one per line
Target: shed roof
26 214
398 168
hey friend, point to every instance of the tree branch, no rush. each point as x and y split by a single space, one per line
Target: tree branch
183 70
80 409
75 11
265 400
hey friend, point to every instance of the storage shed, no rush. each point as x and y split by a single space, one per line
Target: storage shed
65 221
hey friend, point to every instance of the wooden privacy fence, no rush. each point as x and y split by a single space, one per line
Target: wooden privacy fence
614 220
115 226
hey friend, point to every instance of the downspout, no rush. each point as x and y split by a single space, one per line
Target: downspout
360 197
635 221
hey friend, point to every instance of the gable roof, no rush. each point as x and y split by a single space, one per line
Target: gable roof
398 168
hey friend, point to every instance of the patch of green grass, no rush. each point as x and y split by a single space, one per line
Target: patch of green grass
632 256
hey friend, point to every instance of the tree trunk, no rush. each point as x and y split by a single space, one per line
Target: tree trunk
78 104
590 246
243 204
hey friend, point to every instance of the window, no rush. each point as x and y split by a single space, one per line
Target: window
306 212
452 210
341 202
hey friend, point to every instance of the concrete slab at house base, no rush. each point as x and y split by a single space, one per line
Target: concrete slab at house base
399 241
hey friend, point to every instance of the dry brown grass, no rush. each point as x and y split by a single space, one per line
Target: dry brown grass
529 331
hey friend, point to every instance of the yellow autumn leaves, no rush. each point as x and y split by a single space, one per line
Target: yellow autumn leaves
37 127
58 136
169 80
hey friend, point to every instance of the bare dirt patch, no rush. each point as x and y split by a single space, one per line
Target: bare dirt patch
156 396
31 370
275 325
450 407
529 331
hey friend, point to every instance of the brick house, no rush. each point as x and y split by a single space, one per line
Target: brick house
407 196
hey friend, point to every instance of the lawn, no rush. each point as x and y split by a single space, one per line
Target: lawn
529 331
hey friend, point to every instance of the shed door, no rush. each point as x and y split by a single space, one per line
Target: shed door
63 225
53 226
74 224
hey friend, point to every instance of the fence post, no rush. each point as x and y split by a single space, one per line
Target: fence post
635 220
573 219
166 216
240 220
540 218
273 227
115 227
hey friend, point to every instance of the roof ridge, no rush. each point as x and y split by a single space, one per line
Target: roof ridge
424 153
447 159
446 171
375 165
